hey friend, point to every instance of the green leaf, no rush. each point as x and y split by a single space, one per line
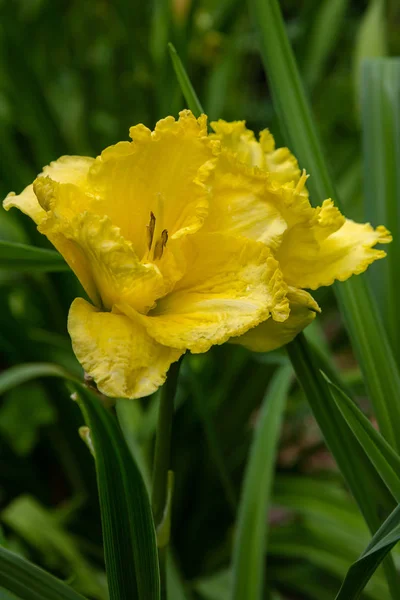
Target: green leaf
251 535
5 595
44 531
380 110
28 582
186 87
128 528
380 453
355 298
20 374
370 492
324 35
361 571
20 257
371 38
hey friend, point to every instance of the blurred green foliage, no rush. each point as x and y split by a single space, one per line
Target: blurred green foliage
73 77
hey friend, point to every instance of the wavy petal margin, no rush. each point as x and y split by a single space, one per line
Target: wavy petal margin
117 352
331 248
164 172
271 335
67 169
232 285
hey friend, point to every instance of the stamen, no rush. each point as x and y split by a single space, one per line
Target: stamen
160 245
150 230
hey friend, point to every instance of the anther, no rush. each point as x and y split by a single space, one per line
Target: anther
150 230
160 245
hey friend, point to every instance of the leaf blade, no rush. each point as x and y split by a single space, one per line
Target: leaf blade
20 374
251 535
361 571
355 298
21 257
128 529
29 582
185 84
380 110
370 492
380 453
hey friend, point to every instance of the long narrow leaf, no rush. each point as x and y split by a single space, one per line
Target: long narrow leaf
251 535
128 528
20 257
185 84
365 483
358 307
20 374
380 104
380 453
29 582
361 571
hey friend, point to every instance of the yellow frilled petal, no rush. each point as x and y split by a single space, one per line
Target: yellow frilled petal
243 203
329 248
280 162
164 172
232 284
117 352
67 169
239 141
271 335
104 262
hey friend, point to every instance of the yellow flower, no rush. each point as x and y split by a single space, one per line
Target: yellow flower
183 240
260 193
131 224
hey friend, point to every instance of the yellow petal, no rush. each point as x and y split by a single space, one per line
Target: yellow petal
271 335
232 285
329 248
67 169
117 352
164 172
104 262
280 162
243 203
240 142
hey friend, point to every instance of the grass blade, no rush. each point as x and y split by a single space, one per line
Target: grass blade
20 374
361 571
251 536
370 492
128 529
380 453
185 84
324 35
29 582
371 37
355 298
380 109
20 257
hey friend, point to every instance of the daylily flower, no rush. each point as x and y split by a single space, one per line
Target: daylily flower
260 193
130 225
180 245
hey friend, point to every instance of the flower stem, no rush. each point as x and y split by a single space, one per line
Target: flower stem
161 491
